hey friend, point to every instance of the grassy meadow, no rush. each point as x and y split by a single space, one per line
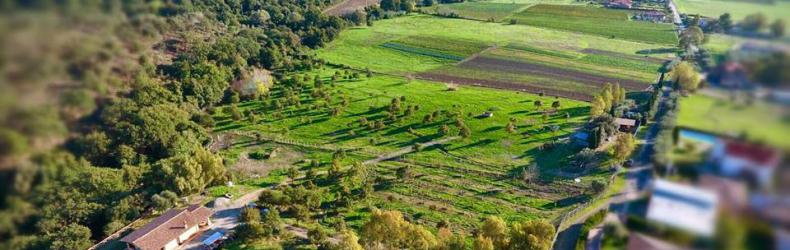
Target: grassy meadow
609 23
757 121
361 47
483 11
737 8
461 180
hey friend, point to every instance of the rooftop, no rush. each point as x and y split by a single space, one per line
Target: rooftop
167 227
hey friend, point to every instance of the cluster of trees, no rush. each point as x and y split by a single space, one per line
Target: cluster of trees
389 230
664 141
756 22
135 127
685 76
608 98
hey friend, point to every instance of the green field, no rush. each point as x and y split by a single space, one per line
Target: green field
483 11
738 9
360 47
758 121
458 180
597 21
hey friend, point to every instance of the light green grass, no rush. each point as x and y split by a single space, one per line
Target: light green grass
596 21
359 47
445 187
738 9
483 11
758 121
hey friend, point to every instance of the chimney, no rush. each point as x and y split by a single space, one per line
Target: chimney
185 224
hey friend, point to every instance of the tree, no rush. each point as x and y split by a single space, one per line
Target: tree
250 215
778 28
164 200
407 5
465 132
358 17
686 76
510 128
390 230
482 243
597 106
450 241
754 22
73 236
555 104
188 174
531 235
692 36
444 130
390 5
623 147
597 186
428 3
293 173
495 229
725 22
538 104
348 241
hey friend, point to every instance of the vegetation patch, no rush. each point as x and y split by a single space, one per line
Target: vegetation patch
483 11
597 21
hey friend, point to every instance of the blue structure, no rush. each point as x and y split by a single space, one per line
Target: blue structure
212 239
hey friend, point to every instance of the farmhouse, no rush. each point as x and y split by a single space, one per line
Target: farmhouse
619 4
625 124
756 163
682 206
170 230
651 16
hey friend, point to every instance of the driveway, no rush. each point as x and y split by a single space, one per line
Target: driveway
225 218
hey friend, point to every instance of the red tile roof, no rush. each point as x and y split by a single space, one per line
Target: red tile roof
167 227
763 155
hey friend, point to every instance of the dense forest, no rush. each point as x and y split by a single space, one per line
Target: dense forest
106 104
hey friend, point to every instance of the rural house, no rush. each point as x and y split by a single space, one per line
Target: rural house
754 162
169 230
651 16
619 4
625 125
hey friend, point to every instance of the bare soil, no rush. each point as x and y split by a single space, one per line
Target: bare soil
349 6
505 85
493 64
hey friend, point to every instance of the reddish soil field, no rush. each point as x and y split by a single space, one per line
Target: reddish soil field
504 85
349 6
494 64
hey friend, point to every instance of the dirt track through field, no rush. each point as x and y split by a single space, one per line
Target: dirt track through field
505 85
493 64
349 6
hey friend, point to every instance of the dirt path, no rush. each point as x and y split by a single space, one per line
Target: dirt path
349 6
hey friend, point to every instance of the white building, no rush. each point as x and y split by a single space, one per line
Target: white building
684 207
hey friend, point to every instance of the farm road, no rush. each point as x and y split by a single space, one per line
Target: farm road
406 150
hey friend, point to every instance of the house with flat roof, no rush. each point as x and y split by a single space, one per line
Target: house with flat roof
684 207
170 230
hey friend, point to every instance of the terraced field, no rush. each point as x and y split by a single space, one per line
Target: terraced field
558 63
609 23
